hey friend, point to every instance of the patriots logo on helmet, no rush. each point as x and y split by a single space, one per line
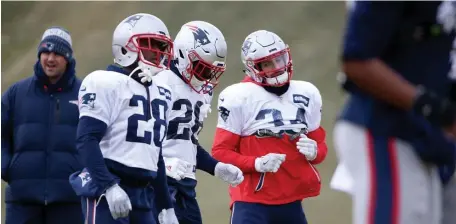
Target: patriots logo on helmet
88 99
224 113
246 46
85 178
132 20
200 36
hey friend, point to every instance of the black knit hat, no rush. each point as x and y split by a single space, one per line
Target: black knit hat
57 40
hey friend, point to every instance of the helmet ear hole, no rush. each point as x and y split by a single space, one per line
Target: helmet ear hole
181 54
124 51
258 67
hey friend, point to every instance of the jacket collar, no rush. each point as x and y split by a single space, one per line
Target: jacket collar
64 84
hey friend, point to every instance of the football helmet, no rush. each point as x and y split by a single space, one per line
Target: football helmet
267 59
200 55
142 38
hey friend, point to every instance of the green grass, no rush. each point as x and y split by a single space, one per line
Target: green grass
312 29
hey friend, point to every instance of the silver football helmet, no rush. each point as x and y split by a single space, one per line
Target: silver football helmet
200 54
142 38
267 59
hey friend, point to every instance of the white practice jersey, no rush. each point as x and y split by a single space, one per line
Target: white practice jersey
247 108
186 116
136 122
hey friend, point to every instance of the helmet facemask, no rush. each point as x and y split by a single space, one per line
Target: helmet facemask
201 75
273 70
154 51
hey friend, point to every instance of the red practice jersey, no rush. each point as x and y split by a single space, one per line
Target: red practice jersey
253 122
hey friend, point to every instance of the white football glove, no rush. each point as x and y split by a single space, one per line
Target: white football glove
167 216
146 76
205 110
229 173
269 163
118 201
307 147
176 168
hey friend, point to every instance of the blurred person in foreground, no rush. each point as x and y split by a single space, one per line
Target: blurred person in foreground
394 132
39 122
269 127
447 15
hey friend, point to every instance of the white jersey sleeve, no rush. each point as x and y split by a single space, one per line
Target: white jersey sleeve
230 115
315 108
97 97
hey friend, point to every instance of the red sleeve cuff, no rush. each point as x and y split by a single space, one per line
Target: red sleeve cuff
319 135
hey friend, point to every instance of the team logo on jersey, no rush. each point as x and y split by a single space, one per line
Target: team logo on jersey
88 99
301 99
85 178
224 113
209 89
164 92
200 36
446 15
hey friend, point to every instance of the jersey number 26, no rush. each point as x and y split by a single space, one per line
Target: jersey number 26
187 133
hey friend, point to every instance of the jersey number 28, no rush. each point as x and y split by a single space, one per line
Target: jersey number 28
132 130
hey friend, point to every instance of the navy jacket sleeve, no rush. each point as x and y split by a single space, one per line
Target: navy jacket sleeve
7 130
160 184
89 134
204 161
371 26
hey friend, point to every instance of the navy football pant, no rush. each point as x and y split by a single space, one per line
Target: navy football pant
255 213
19 213
96 210
186 208
99 213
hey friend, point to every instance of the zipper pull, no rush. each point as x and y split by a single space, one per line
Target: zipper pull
57 110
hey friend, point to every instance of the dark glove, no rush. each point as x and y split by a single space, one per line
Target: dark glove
438 111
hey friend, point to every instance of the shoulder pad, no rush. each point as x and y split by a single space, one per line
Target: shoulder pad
305 86
103 79
236 93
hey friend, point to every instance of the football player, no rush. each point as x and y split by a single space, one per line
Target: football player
269 127
199 61
390 137
123 121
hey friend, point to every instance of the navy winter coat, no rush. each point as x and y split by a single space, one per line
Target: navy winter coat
39 122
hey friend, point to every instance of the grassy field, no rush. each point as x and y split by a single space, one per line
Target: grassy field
312 29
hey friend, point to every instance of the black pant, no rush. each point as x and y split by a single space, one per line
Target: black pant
59 213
